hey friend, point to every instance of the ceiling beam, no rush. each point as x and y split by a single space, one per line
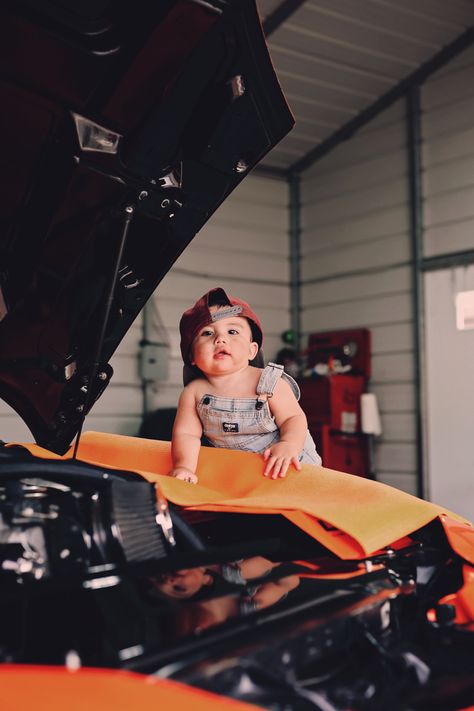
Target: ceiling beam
278 16
465 40
267 171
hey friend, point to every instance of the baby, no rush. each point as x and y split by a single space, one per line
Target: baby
230 398
188 583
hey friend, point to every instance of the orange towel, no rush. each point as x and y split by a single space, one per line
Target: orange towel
366 515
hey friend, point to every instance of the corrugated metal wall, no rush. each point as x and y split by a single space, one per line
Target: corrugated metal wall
355 261
448 157
245 249
356 254
448 190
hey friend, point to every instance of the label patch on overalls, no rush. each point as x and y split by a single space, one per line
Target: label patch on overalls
230 426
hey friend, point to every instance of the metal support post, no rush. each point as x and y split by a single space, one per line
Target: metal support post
416 235
295 257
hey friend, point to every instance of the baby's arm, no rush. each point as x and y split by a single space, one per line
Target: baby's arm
272 592
186 439
293 427
256 567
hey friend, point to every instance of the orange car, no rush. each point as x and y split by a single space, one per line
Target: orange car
123 129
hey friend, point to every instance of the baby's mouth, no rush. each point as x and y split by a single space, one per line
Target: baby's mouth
180 589
221 354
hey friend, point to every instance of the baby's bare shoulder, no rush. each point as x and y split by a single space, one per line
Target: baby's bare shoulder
282 387
196 388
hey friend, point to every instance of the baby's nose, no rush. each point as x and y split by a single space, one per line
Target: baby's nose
220 337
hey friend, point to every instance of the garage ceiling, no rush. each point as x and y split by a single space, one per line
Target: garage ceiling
339 59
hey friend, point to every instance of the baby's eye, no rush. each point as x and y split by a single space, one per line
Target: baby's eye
206 332
233 331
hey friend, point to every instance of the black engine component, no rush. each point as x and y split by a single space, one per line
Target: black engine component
63 519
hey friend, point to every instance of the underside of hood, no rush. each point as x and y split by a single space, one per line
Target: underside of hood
124 126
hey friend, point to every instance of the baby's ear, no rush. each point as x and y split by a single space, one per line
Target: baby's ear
253 350
207 579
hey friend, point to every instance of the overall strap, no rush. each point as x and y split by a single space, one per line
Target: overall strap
269 378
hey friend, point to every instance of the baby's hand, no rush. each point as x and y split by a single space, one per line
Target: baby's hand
184 475
279 457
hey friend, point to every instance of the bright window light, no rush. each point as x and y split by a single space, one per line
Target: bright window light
465 310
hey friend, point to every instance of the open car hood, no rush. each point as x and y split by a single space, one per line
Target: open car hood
124 127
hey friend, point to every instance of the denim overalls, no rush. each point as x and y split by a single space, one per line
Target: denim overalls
247 423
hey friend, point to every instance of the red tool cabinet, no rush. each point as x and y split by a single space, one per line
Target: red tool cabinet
337 372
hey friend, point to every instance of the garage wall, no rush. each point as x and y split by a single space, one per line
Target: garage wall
450 388
447 100
448 191
245 249
355 265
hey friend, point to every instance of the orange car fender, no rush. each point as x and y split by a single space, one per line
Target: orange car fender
56 688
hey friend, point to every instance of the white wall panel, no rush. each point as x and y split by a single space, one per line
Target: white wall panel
445 119
385 223
398 456
450 379
166 395
394 397
125 370
449 207
226 263
270 241
452 176
393 367
449 147
401 425
332 290
265 216
257 190
353 204
392 337
448 157
359 148
12 429
377 253
356 272
367 172
449 237
360 313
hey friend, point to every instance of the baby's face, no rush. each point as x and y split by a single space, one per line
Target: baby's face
224 346
182 584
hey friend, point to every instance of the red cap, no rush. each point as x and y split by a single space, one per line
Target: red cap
199 316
